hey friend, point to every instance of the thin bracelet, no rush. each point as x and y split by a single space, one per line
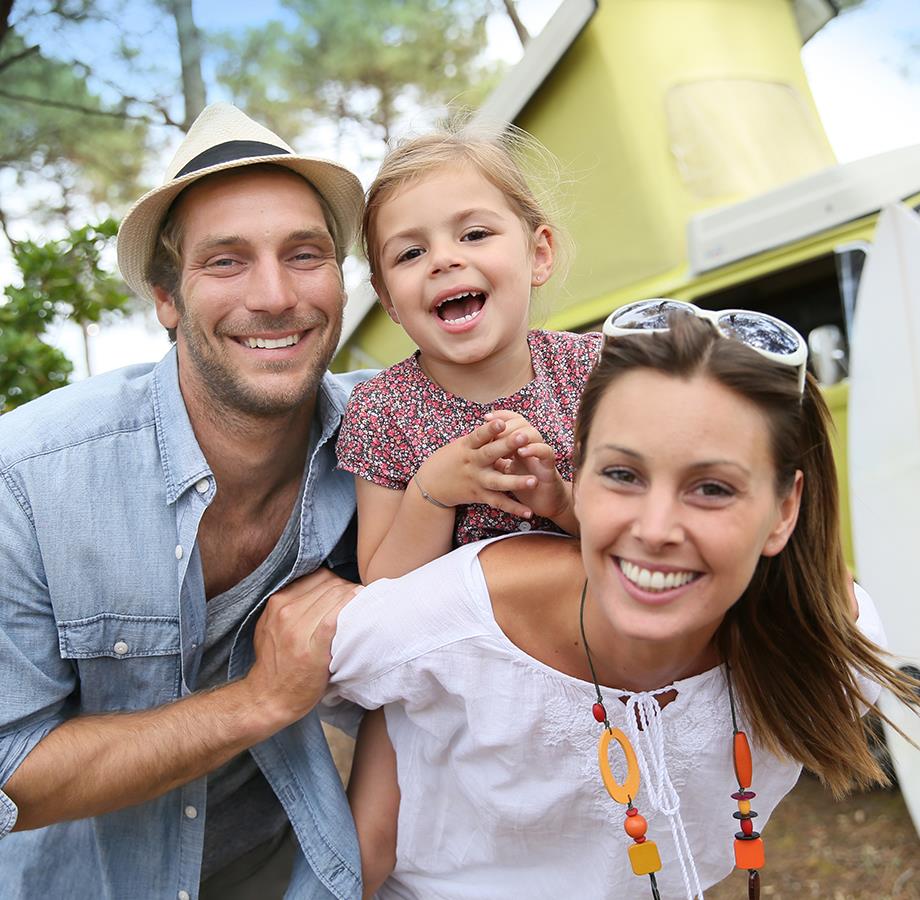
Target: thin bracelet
433 500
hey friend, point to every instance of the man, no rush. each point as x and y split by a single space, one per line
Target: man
154 741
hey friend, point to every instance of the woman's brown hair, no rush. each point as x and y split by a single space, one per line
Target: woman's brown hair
791 641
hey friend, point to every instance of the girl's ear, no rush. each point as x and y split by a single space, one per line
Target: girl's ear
384 297
787 515
543 255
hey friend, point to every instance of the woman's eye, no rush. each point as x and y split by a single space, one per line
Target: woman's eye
411 253
476 234
620 475
714 489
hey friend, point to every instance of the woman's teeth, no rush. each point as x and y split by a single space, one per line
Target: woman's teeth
271 343
654 581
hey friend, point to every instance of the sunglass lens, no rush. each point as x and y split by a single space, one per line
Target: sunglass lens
651 315
759 332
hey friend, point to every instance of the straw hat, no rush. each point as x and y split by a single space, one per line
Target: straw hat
221 138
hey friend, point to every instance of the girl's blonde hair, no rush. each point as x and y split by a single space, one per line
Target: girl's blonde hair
790 639
501 158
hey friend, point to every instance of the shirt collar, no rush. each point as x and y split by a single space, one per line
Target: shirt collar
181 457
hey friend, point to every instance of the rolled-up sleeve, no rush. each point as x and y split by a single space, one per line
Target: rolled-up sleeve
35 682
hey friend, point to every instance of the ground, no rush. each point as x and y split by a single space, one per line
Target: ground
862 848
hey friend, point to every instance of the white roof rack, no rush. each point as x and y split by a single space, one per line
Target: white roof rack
803 207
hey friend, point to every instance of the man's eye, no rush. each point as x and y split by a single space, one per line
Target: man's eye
222 262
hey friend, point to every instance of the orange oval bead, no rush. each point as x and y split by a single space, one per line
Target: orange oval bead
744 765
635 826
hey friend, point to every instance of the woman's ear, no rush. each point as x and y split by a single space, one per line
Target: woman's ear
384 297
787 516
543 255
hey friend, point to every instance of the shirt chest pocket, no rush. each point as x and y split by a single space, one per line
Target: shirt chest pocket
123 662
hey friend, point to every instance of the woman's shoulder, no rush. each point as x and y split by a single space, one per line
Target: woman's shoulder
533 581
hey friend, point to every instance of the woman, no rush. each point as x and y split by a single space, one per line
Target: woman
707 596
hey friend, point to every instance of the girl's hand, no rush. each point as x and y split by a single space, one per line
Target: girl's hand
551 497
465 471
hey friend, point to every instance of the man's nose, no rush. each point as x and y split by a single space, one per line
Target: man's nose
273 290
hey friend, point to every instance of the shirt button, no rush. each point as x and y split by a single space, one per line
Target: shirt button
524 526
178 551
120 648
183 895
202 486
191 812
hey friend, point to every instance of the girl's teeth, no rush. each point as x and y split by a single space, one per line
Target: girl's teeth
654 581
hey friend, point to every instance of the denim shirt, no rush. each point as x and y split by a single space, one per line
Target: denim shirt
102 488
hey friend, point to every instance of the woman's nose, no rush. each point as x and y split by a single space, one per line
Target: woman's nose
657 523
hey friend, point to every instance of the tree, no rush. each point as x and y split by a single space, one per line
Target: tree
360 62
60 278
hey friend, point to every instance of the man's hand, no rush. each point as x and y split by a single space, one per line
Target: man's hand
293 640
464 471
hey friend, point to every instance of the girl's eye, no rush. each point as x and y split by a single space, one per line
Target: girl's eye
476 234
411 253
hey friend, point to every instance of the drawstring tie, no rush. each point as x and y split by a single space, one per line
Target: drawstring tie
642 709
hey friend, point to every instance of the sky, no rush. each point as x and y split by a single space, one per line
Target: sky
863 68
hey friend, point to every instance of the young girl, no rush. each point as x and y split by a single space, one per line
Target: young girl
471 436
707 598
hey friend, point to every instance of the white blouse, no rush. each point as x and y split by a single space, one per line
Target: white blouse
501 796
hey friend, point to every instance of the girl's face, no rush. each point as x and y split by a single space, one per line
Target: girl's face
676 501
457 267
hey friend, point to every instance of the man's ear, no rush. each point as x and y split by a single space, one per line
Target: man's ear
167 313
544 255
787 516
383 295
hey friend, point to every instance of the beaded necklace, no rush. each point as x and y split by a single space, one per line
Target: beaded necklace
643 854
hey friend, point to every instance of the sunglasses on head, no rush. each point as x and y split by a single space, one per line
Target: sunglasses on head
769 336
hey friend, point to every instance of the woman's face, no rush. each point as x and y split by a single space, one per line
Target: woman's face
676 501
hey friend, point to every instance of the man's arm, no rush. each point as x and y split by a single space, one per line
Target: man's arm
95 764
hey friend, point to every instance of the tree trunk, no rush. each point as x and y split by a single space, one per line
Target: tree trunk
521 29
193 89
6 7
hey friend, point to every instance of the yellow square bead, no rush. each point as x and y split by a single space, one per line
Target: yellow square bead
644 858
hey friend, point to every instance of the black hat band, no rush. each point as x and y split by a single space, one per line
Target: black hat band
228 152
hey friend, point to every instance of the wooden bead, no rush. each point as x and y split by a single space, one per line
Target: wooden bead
644 858
622 793
749 854
599 712
744 806
747 826
635 826
744 765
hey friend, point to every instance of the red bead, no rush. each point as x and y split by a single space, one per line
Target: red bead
743 795
632 811
747 826
640 839
635 826
599 712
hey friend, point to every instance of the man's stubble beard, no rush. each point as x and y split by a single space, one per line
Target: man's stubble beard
232 393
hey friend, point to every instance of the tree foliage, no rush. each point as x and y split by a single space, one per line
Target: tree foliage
64 278
367 63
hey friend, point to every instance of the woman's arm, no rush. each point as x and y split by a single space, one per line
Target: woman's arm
373 792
